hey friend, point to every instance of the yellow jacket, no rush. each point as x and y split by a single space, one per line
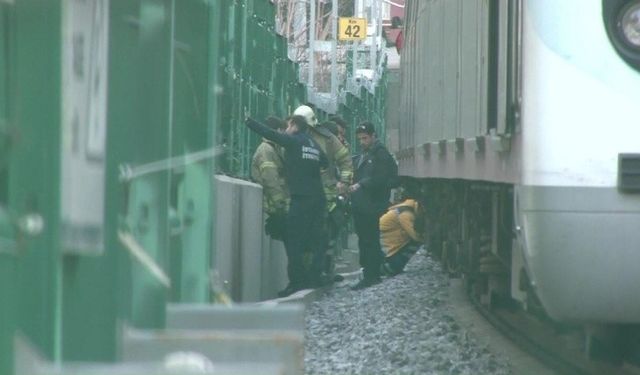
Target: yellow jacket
267 169
340 167
396 227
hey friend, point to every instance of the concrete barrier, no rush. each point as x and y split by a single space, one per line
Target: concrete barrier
249 334
29 362
251 266
253 348
285 317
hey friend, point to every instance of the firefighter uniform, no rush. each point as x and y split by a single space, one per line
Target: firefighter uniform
267 169
303 160
339 169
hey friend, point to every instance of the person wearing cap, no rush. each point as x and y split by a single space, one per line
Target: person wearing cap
303 160
369 200
335 178
267 169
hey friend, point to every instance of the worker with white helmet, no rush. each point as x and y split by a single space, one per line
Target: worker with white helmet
303 161
336 177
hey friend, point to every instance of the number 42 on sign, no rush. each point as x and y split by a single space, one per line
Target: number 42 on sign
352 28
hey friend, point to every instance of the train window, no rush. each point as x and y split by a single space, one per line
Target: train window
497 71
514 66
504 65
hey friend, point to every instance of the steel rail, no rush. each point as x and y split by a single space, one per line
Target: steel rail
542 342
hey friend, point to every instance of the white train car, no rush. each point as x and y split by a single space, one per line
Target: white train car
522 118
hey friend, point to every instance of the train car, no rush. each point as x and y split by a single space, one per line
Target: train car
520 118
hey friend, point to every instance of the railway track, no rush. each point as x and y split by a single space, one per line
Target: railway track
558 347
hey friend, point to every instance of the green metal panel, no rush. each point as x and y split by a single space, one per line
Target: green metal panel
190 132
147 214
226 81
6 35
9 291
122 138
7 31
89 307
249 85
214 101
33 174
279 73
149 197
139 133
194 208
87 290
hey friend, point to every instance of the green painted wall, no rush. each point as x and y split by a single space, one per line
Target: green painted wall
34 169
8 292
192 187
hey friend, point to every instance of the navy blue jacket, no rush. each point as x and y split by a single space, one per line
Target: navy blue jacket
303 159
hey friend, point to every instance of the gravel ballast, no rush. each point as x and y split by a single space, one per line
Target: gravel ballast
403 325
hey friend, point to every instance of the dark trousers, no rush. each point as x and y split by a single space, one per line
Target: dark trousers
368 231
336 221
394 264
305 231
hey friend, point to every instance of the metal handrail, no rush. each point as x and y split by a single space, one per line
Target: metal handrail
142 256
128 172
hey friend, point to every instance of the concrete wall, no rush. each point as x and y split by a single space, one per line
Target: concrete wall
251 266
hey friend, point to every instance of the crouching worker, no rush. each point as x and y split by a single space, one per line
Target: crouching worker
398 237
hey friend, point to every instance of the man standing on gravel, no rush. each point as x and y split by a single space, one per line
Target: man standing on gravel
374 168
303 161
335 178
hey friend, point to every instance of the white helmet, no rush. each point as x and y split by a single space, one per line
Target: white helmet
307 113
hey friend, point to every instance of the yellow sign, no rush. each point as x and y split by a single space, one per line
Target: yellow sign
352 28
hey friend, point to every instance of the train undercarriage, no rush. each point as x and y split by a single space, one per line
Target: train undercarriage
470 228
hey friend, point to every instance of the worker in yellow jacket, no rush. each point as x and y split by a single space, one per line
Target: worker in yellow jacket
398 236
267 169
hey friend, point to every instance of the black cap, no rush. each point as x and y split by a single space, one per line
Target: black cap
366 127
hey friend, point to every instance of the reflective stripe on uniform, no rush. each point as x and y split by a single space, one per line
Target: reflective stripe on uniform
267 164
345 176
342 152
346 170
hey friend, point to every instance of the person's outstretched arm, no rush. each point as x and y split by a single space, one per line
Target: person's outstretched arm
282 139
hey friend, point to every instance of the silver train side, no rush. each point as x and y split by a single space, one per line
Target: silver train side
521 121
